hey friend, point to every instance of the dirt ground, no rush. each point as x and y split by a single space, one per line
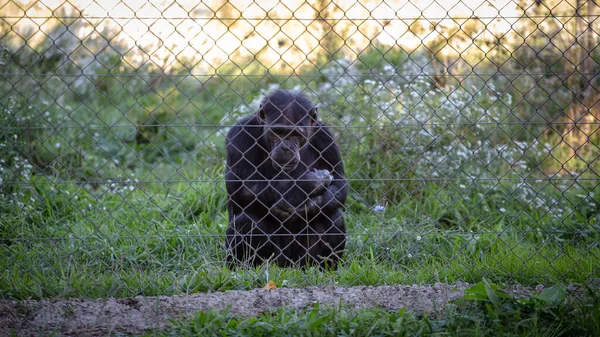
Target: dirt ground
99 317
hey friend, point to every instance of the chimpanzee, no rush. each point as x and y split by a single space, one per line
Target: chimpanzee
286 187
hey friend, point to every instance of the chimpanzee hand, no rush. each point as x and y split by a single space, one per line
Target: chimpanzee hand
315 184
283 210
321 200
321 179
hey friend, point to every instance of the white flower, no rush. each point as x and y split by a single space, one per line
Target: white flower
418 238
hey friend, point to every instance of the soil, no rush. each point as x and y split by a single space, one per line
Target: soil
99 317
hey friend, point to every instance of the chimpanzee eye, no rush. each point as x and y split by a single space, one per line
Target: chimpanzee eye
274 137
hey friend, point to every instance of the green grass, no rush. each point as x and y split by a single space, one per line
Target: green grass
485 310
68 241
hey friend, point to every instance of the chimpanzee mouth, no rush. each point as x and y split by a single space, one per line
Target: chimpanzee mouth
288 167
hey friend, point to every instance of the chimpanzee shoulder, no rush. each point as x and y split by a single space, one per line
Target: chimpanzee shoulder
322 137
245 150
247 130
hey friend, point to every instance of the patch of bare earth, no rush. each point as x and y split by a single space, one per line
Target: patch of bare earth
99 317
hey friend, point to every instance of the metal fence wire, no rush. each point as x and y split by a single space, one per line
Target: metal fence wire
451 141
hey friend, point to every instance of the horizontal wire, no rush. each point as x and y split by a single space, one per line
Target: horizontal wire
350 234
83 16
374 125
360 74
158 181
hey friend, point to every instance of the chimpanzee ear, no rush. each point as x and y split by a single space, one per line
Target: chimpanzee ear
261 113
313 116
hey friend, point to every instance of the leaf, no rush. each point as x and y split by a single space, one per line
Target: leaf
270 285
476 292
485 291
554 295
491 292
316 318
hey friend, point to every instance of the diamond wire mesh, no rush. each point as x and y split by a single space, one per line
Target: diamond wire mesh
468 131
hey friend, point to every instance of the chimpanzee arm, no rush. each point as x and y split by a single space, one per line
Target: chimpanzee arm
245 154
247 165
297 193
334 196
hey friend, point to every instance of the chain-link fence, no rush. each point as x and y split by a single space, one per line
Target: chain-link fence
467 133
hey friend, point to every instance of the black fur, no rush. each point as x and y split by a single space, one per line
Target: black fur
286 187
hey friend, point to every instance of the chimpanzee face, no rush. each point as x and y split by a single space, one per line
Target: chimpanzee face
286 142
286 130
